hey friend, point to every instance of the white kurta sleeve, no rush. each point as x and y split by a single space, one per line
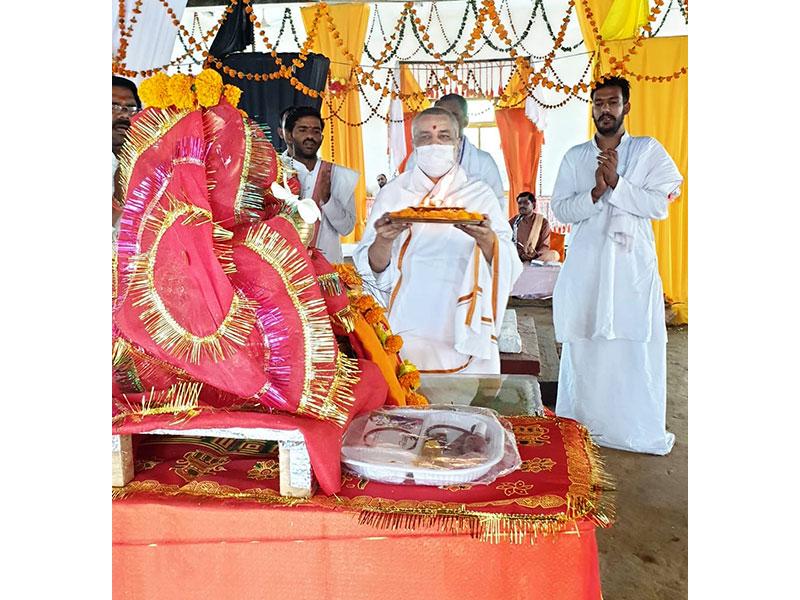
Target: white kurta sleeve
379 282
649 200
340 209
569 204
473 333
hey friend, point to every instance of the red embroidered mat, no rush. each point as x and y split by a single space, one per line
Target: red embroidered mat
561 481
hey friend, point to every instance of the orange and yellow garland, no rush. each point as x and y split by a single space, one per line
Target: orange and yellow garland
405 373
187 92
322 17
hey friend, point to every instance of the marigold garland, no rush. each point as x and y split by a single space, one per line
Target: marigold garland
374 315
393 344
155 91
365 302
408 376
208 86
232 94
180 91
186 92
348 275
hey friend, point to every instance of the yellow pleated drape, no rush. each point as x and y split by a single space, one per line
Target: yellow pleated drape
343 144
659 110
624 19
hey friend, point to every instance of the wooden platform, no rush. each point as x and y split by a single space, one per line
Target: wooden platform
296 477
526 362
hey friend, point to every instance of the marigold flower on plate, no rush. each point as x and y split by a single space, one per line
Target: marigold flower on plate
416 399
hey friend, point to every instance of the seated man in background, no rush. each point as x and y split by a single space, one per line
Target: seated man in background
531 231
445 286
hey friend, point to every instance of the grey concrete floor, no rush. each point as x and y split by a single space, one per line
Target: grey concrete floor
644 555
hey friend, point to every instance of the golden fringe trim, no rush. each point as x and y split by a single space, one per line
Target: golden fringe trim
346 318
223 248
114 275
204 489
340 397
590 484
124 368
255 177
319 342
493 528
159 323
151 126
180 399
330 284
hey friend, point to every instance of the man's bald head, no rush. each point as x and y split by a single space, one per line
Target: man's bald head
434 126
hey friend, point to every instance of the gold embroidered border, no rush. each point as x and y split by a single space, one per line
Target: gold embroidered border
182 398
159 323
258 158
588 478
319 343
151 126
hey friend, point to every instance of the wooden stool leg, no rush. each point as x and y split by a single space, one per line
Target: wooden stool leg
121 460
297 480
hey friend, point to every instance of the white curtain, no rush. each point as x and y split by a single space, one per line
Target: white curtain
397 130
153 37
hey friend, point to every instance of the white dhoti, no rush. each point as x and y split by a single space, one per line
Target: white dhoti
608 302
620 411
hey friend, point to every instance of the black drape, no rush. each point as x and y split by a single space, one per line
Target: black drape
264 100
236 33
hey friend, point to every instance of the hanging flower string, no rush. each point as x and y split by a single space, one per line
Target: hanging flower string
362 78
186 92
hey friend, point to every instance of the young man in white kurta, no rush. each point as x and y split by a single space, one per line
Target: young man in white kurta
608 305
446 315
477 163
338 212
302 131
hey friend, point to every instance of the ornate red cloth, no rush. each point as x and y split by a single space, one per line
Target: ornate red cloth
561 483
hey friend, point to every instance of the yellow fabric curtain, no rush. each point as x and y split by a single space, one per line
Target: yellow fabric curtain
624 19
343 144
660 110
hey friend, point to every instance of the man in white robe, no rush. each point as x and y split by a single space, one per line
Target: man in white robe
330 185
608 305
444 286
478 163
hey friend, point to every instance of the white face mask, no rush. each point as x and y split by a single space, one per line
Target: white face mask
436 159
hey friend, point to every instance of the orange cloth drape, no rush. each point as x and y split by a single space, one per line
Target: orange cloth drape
198 549
522 147
660 110
343 144
520 140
